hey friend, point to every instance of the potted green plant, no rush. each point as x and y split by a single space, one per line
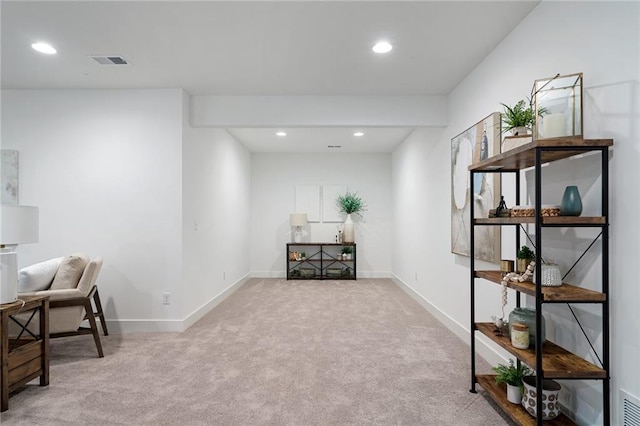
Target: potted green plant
520 118
512 375
350 203
524 256
347 252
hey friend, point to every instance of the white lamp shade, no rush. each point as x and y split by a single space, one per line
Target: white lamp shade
19 224
298 219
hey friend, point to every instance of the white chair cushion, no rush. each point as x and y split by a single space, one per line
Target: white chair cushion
38 276
70 271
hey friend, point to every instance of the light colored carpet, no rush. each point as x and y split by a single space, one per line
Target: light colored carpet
275 352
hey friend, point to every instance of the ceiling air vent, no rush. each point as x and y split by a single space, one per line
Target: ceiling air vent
110 60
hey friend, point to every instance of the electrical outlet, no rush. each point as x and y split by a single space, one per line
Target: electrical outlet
166 298
416 276
195 225
224 276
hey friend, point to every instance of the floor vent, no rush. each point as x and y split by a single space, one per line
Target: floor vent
110 60
630 409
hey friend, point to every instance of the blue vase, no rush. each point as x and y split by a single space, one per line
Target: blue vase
571 204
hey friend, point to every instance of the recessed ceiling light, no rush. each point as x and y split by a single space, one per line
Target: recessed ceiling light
358 134
334 146
44 48
281 134
382 47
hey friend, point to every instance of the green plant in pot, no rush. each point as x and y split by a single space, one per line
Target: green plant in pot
519 119
347 252
512 376
524 256
350 203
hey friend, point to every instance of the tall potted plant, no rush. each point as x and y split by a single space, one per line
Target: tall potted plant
350 203
512 375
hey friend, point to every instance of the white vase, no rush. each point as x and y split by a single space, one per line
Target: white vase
348 231
514 394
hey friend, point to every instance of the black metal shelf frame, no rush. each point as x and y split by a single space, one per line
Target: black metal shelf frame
604 235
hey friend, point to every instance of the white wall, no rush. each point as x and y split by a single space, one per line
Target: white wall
601 40
105 169
273 181
216 212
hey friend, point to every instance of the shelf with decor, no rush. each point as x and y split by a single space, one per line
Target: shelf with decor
549 360
326 261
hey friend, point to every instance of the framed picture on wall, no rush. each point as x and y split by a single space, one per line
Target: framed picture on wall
9 169
478 142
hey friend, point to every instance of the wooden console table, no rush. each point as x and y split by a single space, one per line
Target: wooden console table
25 356
321 261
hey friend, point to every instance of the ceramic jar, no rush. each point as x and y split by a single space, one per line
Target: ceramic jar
520 335
550 393
526 316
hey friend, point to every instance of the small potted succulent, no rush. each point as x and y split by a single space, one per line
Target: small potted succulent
347 253
512 375
524 257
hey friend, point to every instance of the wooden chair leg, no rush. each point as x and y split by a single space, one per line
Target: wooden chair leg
99 312
94 326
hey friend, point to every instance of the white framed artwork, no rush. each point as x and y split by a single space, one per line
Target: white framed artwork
330 210
308 201
9 173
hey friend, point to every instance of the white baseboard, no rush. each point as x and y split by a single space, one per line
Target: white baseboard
484 348
207 307
173 326
268 274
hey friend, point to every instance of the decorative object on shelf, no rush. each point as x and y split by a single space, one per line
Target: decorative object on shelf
19 225
571 202
551 276
527 316
346 272
501 210
560 100
347 253
297 220
520 335
523 259
550 393
512 142
307 272
517 119
506 266
477 143
334 272
512 375
520 278
350 203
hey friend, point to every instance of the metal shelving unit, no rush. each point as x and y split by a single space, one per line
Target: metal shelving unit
549 360
323 262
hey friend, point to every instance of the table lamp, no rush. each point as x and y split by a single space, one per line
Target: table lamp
18 225
298 220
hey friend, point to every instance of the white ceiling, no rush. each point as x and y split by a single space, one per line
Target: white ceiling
256 48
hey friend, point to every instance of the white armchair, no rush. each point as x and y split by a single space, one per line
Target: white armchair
70 283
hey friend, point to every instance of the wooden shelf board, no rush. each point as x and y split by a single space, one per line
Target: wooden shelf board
557 294
524 156
498 393
557 363
551 220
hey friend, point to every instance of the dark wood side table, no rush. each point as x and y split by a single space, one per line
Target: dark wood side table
25 356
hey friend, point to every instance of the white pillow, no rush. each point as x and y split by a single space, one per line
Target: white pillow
38 276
